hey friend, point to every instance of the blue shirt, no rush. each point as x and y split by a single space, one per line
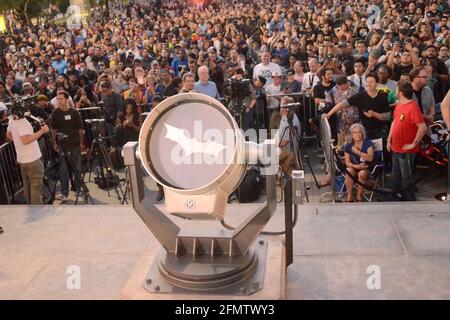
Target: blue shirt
177 63
59 67
210 89
353 157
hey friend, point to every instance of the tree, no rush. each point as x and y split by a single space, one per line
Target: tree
25 10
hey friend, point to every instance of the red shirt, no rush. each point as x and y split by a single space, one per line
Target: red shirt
406 116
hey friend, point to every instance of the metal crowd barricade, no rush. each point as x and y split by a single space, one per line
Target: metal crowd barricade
45 144
306 112
328 144
10 177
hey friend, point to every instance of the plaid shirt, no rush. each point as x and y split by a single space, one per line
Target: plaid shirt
348 115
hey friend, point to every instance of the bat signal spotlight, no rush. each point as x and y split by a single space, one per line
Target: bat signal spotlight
192 146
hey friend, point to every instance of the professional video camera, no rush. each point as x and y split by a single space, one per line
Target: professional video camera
240 88
62 139
97 127
237 90
20 106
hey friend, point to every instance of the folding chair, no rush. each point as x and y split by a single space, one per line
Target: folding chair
333 165
376 175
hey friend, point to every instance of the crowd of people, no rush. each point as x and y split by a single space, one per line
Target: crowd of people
383 65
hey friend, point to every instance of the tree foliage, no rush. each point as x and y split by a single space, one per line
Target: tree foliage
25 10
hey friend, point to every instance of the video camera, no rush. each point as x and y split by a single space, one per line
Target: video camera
97 127
240 88
62 139
20 106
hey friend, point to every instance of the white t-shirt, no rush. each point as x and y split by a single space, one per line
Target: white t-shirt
273 102
310 80
54 102
266 71
25 153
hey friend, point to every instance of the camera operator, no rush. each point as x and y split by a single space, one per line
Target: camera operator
66 121
29 156
42 109
259 103
112 105
283 138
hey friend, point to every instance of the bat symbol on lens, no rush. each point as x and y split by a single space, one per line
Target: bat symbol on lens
192 145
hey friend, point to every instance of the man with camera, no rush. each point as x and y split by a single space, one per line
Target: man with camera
29 156
67 139
289 127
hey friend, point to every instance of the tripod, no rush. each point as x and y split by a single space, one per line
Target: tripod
294 144
76 179
99 151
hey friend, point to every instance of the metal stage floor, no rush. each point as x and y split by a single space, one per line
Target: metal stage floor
337 247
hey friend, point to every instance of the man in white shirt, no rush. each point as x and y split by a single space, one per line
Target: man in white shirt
266 68
311 79
359 78
29 155
54 101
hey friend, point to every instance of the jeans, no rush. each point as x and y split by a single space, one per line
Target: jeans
32 177
65 173
403 174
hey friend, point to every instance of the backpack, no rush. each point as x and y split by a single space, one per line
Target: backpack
251 186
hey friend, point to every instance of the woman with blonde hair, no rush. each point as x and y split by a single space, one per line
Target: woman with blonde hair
359 154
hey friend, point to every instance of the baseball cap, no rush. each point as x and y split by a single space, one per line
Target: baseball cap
290 72
276 74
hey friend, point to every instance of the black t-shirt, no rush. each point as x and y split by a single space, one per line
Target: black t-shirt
400 69
68 122
364 103
113 106
320 90
419 98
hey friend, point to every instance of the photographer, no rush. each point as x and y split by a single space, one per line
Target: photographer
283 138
67 125
29 156
42 109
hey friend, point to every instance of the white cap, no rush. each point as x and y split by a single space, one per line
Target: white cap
276 74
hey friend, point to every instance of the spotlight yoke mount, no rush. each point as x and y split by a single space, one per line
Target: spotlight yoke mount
196 259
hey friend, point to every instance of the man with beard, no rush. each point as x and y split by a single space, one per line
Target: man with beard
422 94
440 72
408 59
